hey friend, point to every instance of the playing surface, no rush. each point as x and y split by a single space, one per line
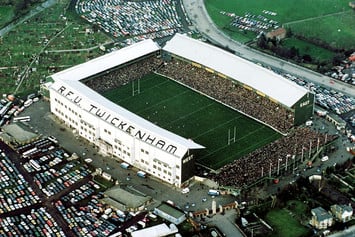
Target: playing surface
189 114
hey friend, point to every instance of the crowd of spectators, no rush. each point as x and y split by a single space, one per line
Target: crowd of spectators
123 75
132 18
260 163
223 90
230 93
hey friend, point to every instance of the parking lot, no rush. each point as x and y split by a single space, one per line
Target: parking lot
140 19
49 183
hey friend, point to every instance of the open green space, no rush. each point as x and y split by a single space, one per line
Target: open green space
183 111
6 15
318 53
328 20
285 222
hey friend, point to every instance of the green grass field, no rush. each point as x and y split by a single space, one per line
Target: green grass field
185 112
6 15
317 53
285 221
318 18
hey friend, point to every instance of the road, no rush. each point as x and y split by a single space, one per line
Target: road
346 233
196 11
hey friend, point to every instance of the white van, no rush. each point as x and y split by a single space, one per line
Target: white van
309 123
325 158
213 192
28 102
185 190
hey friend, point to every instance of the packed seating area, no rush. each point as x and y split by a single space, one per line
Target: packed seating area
229 93
260 162
123 75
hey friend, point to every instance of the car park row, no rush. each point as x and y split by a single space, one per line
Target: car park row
329 99
59 199
85 220
250 22
36 223
15 193
120 18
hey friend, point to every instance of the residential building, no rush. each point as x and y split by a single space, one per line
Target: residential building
342 213
321 219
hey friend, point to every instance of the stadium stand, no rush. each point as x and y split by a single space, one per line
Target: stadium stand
229 93
260 162
123 75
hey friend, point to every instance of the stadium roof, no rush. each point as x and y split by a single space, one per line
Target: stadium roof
126 198
156 230
248 73
71 78
17 133
107 61
170 210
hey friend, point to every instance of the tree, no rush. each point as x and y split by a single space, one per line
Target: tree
289 33
337 59
262 42
273 41
307 58
294 52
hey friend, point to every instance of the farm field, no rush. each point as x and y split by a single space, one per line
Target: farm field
183 111
327 20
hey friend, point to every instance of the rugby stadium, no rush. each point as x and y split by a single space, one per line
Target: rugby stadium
164 109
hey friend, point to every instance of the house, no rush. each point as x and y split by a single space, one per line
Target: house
321 219
279 34
342 213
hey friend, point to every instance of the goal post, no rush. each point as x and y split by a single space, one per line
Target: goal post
232 134
136 91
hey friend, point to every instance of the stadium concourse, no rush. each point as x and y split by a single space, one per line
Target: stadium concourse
237 83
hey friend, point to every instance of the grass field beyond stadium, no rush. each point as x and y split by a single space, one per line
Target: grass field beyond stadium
189 114
328 20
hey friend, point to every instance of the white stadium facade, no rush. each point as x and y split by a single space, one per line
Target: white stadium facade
129 138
